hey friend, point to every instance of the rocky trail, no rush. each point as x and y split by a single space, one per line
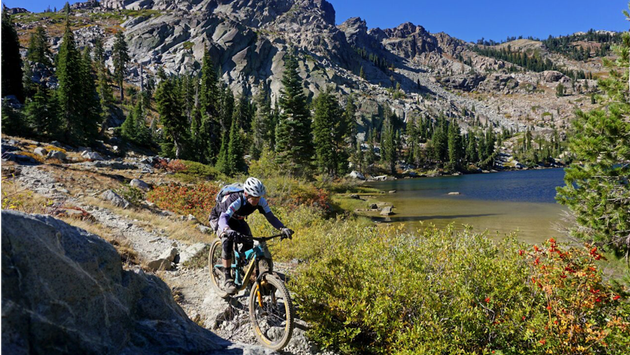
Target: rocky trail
190 287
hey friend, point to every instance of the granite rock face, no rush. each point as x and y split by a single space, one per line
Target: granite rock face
64 291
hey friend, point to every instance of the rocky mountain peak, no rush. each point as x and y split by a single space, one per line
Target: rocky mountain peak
249 39
405 30
354 27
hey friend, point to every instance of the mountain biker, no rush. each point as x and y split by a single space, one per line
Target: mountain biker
228 219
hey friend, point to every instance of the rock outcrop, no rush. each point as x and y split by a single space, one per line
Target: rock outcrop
248 41
64 291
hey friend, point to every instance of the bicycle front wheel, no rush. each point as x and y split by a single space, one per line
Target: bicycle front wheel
215 265
271 312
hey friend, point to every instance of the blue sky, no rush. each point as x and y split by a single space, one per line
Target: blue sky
469 20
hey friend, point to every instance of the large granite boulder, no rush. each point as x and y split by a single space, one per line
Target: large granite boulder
64 291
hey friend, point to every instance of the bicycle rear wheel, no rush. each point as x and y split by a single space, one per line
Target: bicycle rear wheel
215 265
271 312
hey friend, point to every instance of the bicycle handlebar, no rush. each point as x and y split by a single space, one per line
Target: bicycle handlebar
264 239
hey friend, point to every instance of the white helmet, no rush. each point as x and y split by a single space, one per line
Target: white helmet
253 187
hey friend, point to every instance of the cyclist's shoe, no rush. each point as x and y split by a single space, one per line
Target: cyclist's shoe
229 286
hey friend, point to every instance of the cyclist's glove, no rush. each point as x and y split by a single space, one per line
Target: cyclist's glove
286 233
231 234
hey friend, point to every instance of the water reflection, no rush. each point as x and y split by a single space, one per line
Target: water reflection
427 218
500 203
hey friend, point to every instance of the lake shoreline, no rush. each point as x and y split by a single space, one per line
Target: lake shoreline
522 200
439 174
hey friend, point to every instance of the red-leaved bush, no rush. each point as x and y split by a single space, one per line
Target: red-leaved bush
197 200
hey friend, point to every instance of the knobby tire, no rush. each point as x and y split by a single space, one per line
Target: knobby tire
273 323
216 274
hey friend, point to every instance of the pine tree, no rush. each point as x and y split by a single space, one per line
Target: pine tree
482 151
99 53
69 93
490 144
222 164
389 145
90 108
226 109
234 158
128 128
327 133
169 107
243 112
197 145
370 155
597 187
189 93
412 140
454 146
294 145
12 120
471 148
261 125
120 56
38 48
346 134
105 94
439 141
206 138
134 128
42 113
11 60
209 95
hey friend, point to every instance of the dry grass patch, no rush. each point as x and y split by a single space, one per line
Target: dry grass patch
79 181
172 226
17 197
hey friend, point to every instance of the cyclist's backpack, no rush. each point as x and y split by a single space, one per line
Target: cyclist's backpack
228 190
218 206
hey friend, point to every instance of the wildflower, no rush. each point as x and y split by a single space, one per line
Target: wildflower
487 300
616 297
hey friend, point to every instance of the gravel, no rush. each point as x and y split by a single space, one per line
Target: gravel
191 287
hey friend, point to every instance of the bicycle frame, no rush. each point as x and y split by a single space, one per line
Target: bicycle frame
252 256
242 278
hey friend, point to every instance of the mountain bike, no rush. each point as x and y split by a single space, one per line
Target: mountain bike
270 308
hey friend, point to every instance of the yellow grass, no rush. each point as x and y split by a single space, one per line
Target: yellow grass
172 226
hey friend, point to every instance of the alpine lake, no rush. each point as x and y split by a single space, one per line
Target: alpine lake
500 203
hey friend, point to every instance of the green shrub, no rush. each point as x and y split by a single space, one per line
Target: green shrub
383 291
196 172
133 195
266 166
